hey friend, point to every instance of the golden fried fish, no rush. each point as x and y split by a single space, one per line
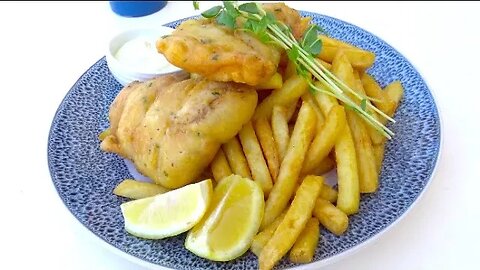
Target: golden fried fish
171 128
289 16
219 53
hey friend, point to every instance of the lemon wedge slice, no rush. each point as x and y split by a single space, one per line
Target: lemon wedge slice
168 214
234 217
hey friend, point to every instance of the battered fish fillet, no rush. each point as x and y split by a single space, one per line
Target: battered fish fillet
219 53
171 128
288 16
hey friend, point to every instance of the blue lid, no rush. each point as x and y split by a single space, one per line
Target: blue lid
136 8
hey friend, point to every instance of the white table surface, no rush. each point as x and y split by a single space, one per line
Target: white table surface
45 47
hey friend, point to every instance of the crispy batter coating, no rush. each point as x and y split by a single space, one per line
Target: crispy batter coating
289 16
172 128
219 53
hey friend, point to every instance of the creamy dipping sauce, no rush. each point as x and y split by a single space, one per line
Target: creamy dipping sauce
141 54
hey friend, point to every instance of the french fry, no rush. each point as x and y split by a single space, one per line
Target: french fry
220 167
265 136
290 70
359 58
280 130
325 64
328 193
367 174
367 169
343 69
292 89
236 158
326 165
134 189
261 239
373 89
375 136
324 140
275 82
319 178
104 134
395 92
255 159
307 97
291 165
293 224
347 173
291 109
304 248
324 101
332 42
379 151
332 218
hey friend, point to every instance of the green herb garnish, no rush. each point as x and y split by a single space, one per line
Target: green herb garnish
363 104
212 12
310 41
196 5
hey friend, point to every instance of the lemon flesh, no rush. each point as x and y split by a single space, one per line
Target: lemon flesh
168 214
232 220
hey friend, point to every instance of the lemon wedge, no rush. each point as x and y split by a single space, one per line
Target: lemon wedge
168 214
234 217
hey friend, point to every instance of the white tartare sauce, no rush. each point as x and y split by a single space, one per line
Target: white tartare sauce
141 54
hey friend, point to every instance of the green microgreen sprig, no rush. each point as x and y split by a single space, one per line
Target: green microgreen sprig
302 53
196 5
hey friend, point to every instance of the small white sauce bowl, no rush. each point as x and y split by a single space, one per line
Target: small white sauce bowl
124 71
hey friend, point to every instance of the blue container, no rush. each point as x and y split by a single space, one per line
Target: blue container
136 8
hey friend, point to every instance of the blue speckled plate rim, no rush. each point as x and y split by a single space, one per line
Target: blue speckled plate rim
326 261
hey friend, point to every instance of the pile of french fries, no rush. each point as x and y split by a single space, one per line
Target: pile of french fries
297 136
293 139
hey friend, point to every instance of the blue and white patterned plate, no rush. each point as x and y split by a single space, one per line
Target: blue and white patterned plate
85 176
